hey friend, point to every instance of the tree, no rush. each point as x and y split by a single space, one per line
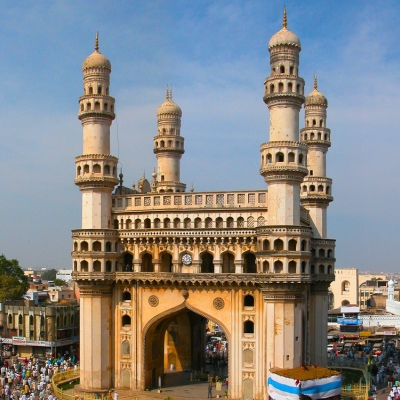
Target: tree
13 282
60 282
49 275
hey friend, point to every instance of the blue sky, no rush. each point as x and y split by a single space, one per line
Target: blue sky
215 55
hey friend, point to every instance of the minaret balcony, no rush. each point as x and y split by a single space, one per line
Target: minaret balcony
291 99
315 198
272 172
96 114
96 181
168 149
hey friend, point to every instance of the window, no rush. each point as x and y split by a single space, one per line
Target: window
266 244
278 244
292 245
292 267
248 327
248 300
126 321
126 296
279 157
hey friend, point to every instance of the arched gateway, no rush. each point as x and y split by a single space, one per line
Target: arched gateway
153 262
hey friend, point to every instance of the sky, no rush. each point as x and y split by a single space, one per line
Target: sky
215 56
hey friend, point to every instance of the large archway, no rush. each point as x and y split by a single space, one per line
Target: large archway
176 343
228 263
147 263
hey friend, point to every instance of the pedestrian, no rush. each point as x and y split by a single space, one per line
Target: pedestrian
226 384
115 395
209 391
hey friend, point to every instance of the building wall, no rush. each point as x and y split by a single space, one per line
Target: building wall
345 287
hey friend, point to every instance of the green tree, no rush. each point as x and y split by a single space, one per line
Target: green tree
13 282
49 275
60 282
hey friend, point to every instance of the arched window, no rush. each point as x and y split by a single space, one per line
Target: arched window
147 263
147 223
321 253
78 171
88 106
229 222
278 267
290 87
86 169
321 123
84 246
329 253
304 189
177 223
345 303
266 267
219 223
90 90
321 269
167 223
107 169
328 190
250 222
260 221
208 222
280 87
84 266
20 319
291 157
279 157
240 222
345 287
303 267
305 135
138 223
128 224
96 246
10 319
96 169
301 158
269 158
292 245
278 244
282 69
162 143
312 188
291 69
82 107
97 106
116 224
298 88
330 269
303 245
126 321
207 263
197 223
249 266
266 244
187 223
126 296
292 267
31 320
108 266
96 266
248 327
157 223
75 246
271 88
99 90
105 107
248 300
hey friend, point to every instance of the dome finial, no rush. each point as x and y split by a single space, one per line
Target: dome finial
315 82
284 17
96 43
170 93
167 94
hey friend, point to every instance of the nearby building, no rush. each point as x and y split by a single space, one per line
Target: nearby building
39 330
344 289
153 265
64 274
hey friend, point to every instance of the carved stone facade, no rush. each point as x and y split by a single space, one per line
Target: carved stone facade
154 264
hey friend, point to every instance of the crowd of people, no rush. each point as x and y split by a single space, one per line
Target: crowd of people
30 378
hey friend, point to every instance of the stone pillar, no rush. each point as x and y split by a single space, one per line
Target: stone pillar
317 323
95 334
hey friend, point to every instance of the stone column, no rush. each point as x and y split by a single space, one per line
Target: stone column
95 334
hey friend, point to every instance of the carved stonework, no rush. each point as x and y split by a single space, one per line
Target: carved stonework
248 375
185 294
125 365
218 303
248 345
248 318
126 312
153 301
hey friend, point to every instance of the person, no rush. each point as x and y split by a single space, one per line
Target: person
226 384
115 395
209 391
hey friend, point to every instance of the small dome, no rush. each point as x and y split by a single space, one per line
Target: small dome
316 97
169 107
96 59
391 283
284 36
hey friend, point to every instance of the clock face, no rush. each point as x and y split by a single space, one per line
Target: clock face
186 259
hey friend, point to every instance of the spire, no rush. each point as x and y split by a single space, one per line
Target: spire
96 43
315 82
284 24
167 95
170 93
191 187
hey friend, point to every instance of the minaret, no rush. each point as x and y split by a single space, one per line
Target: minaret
169 146
96 176
283 166
283 158
316 192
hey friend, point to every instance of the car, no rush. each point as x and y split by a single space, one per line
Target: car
329 347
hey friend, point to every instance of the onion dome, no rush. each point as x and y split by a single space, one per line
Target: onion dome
316 98
96 59
169 107
284 36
